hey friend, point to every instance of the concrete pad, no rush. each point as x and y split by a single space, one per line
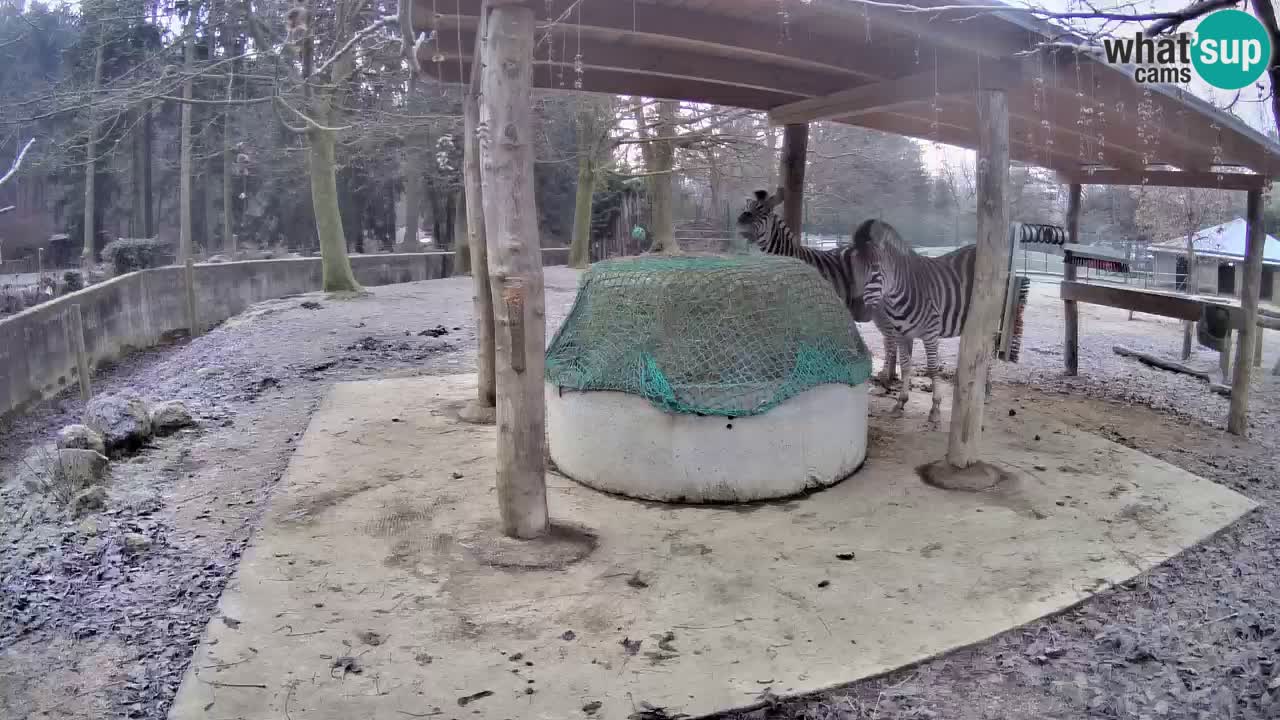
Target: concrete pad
622 443
367 561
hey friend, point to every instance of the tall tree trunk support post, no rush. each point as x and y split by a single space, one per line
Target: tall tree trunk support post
482 409
88 252
795 151
990 266
511 227
1070 311
1238 414
184 142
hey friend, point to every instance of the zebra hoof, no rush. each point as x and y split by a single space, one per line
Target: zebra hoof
935 419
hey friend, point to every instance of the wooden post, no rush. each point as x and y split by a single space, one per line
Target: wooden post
1070 312
795 153
75 334
1257 348
482 409
189 276
974 359
1238 415
511 227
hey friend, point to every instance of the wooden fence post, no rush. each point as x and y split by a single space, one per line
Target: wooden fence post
1070 311
974 359
511 227
75 334
1238 414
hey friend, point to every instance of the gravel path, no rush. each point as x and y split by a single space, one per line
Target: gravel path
91 627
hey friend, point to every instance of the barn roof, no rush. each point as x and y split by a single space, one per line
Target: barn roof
910 73
1224 241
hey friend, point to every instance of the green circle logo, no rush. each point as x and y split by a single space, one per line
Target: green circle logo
1232 49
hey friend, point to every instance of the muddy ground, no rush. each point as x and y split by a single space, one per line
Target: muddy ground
91 627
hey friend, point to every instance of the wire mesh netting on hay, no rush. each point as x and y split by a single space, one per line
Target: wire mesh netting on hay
727 336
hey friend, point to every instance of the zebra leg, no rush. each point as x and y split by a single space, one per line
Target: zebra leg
904 351
932 367
885 378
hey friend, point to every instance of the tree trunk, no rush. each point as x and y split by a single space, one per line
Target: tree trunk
659 159
412 169
228 169
87 254
580 246
211 191
184 139
324 200
322 166
512 221
412 201
664 156
462 231
588 135
136 192
148 202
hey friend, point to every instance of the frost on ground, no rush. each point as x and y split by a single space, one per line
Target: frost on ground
99 615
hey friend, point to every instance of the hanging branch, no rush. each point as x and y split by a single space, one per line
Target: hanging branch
17 163
356 37
1267 13
1190 12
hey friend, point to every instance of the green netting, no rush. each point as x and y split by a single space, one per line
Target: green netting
729 336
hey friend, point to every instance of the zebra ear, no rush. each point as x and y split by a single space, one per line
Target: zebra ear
762 194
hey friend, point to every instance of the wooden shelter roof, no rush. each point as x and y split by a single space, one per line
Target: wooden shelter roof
910 73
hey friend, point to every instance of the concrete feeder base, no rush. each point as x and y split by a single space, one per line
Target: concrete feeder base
622 444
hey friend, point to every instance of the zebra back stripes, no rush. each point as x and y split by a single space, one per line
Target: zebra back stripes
922 297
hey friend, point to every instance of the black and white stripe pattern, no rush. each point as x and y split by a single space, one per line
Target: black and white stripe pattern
918 297
840 266
759 224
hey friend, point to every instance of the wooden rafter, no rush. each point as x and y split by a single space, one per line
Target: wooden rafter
1172 178
888 94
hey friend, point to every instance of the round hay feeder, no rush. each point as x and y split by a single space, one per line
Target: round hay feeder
707 379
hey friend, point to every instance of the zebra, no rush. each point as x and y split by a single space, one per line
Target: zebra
919 297
840 266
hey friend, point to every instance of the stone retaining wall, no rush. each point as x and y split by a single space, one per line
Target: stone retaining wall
139 309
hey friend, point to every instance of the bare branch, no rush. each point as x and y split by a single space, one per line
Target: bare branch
17 163
378 24
1190 12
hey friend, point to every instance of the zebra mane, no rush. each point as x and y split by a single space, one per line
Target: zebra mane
875 234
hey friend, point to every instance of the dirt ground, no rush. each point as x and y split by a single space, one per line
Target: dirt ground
91 627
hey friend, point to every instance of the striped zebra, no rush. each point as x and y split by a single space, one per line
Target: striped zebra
919 297
840 266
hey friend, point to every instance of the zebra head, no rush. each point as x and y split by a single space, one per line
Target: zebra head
754 222
879 251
